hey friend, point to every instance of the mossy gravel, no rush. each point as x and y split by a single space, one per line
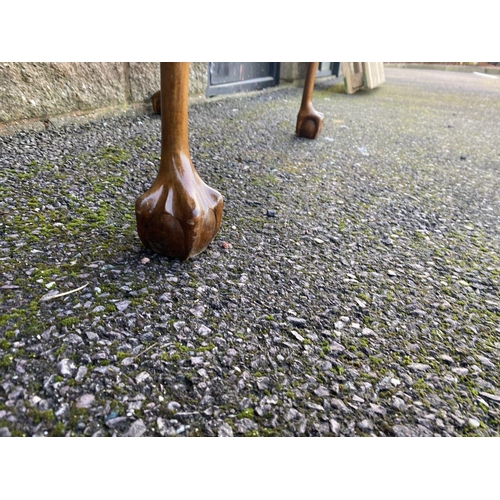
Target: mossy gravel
353 288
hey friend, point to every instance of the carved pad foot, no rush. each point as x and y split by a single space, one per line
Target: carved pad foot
309 123
179 215
156 102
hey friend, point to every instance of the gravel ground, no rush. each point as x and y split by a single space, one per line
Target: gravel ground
353 289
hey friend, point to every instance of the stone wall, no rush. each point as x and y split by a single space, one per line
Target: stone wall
293 72
34 94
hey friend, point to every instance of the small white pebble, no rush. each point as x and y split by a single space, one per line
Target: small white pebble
473 423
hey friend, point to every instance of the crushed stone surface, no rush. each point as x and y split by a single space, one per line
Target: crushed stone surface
352 290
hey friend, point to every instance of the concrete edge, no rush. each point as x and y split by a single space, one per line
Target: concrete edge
78 117
446 67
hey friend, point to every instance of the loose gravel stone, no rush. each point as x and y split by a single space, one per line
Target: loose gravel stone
66 368
122 305
85 401
246 425
334 427
225 430
419 367
491 397
473 423
366 425
116 422
367 332
299 322
137 429
142 377
204 330
80 374
174 406
398 403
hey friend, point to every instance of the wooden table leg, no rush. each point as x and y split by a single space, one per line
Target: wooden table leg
309 121
156 102
179 215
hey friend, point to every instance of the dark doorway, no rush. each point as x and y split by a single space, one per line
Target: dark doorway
229 77
328 69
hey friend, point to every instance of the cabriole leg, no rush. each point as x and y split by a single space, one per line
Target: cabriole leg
179 215
309 121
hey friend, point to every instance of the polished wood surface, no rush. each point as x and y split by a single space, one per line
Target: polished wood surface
179 215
